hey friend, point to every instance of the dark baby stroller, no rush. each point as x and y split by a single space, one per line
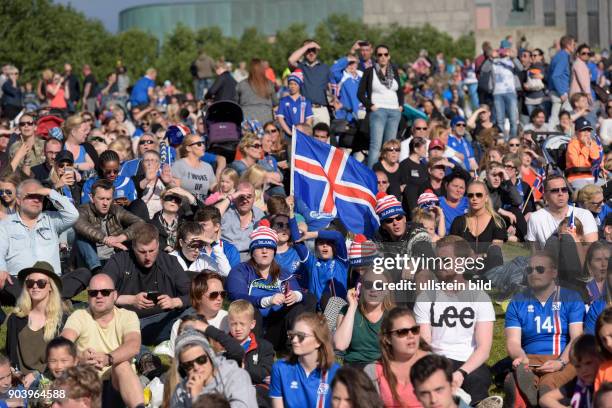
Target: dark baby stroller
223 121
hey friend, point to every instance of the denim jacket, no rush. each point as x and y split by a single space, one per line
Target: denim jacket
21 247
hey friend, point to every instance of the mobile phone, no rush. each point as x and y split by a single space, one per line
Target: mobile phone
153 296
285 287
358 289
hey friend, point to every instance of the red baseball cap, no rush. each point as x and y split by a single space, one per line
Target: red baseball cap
436 144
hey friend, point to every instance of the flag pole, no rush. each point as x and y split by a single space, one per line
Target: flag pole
527 200
291 170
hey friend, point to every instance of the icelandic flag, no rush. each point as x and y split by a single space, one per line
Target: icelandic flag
329 182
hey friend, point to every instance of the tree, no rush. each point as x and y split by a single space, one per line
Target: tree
177 54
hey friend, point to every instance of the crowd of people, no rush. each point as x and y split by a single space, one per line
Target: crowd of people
112 193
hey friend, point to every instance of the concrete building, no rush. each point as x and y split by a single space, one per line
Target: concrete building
541 21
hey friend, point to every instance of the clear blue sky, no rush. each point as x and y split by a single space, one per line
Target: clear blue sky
106 11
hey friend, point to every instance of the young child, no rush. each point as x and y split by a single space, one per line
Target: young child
258 353
228 181
294 109
578 392
6 385
429 214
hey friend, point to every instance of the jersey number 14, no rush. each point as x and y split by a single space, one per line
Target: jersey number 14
546 326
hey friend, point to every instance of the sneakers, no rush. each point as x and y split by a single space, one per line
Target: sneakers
525 380
494 401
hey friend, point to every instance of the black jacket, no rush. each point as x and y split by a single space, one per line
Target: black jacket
364 94
223 89
505 194
166 276
258 359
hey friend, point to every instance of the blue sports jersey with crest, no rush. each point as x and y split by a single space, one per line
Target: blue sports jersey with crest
545 327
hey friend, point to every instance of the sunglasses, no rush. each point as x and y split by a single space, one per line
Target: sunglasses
188 365
382 54
421 128
198 144
173 198
256 146
274 130
403 332
510 167
97 139
40 283
64 165
396 218
514 144
111 171
439 168
146 142
214 295
23 124
587 53
558 190
460 125
383 182
94 292
538 269
6 192
537 54
300 335
596 203
280 225
369 285
145 123
90 120
477 195
313 50
392 149
196 244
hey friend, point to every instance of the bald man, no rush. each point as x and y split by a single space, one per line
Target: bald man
420 128
108 337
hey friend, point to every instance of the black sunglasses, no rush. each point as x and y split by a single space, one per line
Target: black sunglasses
369 285
538 269
403 332
256 146
273 130
188 365
94 292
460 125
438 167
146 142
392 149
38 197
111 171
6 192
421 128
477 195
514 144
22 124
198 144
558 190
382 54
41 283
64 164
214 295
396 218
196 244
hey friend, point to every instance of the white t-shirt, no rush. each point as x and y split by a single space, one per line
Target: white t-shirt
453 320
542 224
382 96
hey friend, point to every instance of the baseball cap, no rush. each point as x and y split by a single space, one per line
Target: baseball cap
64 156
582 123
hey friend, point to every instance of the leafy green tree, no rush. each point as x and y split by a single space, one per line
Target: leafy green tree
177 54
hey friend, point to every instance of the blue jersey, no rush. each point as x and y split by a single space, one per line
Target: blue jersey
289 261
450 213
290 382
545 327
294 112
124 187
590 320
462 146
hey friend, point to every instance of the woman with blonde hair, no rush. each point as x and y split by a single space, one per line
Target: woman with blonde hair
256 94
196 176
75 134
481 226
38 317
312 353
250 148
591 197
388 163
